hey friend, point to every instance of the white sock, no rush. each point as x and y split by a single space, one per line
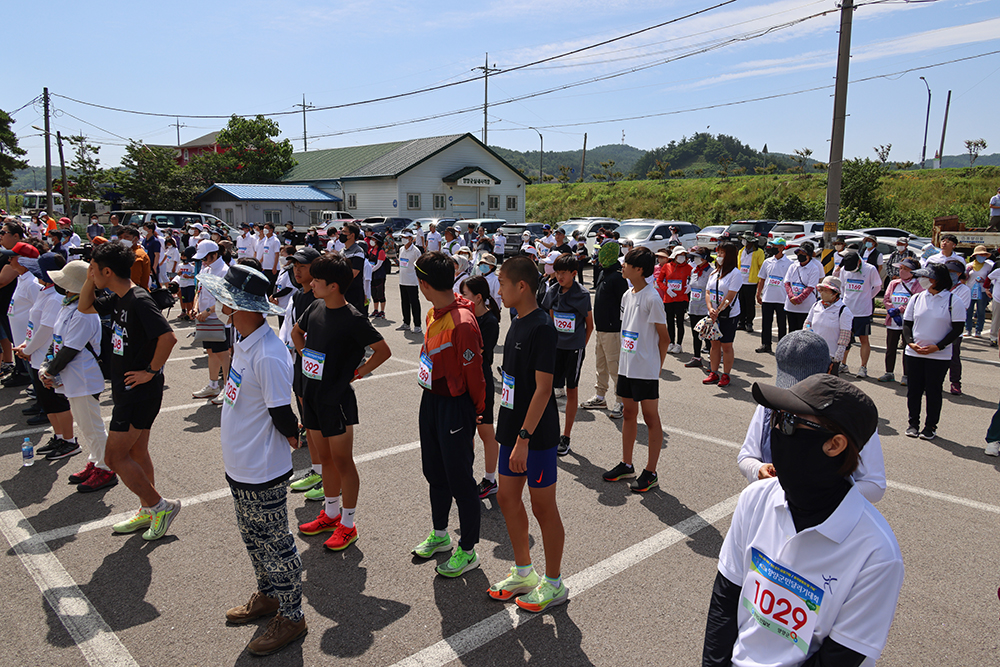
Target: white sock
490 476
160 506
347 517
58 436
318 469
214 384
600 398
332 506
441 533
523 571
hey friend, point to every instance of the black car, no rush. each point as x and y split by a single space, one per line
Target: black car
760 229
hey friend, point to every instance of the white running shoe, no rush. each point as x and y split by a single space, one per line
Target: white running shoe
416 329
993 449
207 392
862 372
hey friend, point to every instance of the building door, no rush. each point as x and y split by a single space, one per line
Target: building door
465 202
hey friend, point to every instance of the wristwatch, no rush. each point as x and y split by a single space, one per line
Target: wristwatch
149 369
523 433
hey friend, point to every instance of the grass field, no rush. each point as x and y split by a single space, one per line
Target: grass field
908 199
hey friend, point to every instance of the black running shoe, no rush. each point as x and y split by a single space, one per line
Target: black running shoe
644 482
38 420
620 471
47 447
563 448
16 380
63 450
486 488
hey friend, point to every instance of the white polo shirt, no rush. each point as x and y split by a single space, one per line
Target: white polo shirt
20 305
73 329
433 241
267 252
869 476
932 316
246 246
840 579
799 278
773 272
718 287
860 288
963 293
260 377
41 320
408 265
829 322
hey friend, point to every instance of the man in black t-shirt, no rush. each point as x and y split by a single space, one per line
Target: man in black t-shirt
528 433
141 340
331 337
356 257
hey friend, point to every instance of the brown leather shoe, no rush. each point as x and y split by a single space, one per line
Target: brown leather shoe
280 633
258 605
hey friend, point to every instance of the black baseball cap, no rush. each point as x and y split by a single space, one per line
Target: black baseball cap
305 256
826 396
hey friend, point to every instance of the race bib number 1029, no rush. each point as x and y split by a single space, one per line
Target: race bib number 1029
781 601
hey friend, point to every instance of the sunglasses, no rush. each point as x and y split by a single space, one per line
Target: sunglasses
786 422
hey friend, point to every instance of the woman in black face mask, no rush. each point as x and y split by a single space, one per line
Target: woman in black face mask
800 285
809 572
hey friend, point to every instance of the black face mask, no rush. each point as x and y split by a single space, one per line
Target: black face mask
813 487
60 290
771 252
342 237
803 259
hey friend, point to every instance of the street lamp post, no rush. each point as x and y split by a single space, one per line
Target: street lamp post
923 154
541 152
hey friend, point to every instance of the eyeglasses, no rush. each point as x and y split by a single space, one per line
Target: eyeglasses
786 422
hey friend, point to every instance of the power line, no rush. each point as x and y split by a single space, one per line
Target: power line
23 106
414 92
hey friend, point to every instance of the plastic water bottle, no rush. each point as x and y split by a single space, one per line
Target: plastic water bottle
28 452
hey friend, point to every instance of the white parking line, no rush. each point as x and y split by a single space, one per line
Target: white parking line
502 622
90 632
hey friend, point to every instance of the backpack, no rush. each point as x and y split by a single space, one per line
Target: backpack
163 298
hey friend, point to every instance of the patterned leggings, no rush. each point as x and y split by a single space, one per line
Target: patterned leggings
262 517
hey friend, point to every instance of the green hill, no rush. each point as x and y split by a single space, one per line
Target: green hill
625 157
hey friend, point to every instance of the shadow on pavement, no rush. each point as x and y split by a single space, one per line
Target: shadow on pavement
74 508
557 641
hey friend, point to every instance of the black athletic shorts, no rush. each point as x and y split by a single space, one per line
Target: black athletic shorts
221 346
378 291
137 414
490 397
727 325
51 402
331 420
637 390
568 366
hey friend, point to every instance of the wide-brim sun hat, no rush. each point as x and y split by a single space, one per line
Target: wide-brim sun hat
487 258
242 288
72 276
831 282
677 252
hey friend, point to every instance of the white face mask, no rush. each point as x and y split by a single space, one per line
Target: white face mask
681 259
925 283
697 260
225 317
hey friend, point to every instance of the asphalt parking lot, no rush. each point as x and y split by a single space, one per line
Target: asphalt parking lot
639 568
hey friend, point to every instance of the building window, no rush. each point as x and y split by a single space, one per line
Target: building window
413 202
511 202
229 217
439 203
274 217
217 212
494 201
352 201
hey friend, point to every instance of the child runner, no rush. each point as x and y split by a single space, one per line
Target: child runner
608 291
528 432
453 400
477 290
644 344
331 359
568 303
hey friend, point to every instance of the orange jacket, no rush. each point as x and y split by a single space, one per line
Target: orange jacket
455 346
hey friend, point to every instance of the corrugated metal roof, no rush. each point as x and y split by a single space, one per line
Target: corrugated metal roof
209 139
335 163
255 192
400 159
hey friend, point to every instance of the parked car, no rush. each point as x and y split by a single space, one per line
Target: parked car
380 224
760 228
887 232
655 234
168 219
794 229
709 236
490 224
886 247
512 236
335 224
658 232
588 228
424 225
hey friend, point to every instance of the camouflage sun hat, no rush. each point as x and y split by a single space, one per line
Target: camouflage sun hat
609 253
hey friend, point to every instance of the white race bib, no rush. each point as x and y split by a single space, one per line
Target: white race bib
565 322
745 270
312 364
674 286
118 341
404 262
855 285
697 294
425 372
630 341
781 601
775 281
232 390
900 298
56 344
29 332
507 392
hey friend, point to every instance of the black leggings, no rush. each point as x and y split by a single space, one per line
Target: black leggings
748 305
925 376
675 320
409 298
694 319
893 337
767 312
796 320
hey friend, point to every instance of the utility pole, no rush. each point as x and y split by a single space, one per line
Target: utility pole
836 165
541 152
178 125
48 155
583 161
486 70
67 208
944 128
927 121
305 143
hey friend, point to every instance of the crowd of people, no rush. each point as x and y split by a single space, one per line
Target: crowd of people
811 449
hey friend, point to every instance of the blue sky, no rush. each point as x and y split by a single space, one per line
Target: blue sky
252 57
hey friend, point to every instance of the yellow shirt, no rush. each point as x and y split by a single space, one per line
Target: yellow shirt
756 261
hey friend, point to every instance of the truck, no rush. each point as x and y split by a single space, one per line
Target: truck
968 239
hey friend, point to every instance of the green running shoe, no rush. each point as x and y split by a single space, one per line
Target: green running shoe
514 585
460 562
545 595
307 482
142 519
432 545
315 494
162 520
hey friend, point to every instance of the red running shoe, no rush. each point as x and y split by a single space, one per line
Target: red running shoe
724 380
342 538
322 524
99 479
83 474
712 378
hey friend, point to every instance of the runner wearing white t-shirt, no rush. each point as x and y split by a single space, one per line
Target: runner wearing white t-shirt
771 292
800 285
644 345
832 320
722 296
409 292
433 239
499 243
861 282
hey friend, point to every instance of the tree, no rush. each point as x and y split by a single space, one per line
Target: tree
610 175
903 166
862 181
975 147
87 167
250 154
563 176
883 152
150 178
10 152
800 157
676 173
724 161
